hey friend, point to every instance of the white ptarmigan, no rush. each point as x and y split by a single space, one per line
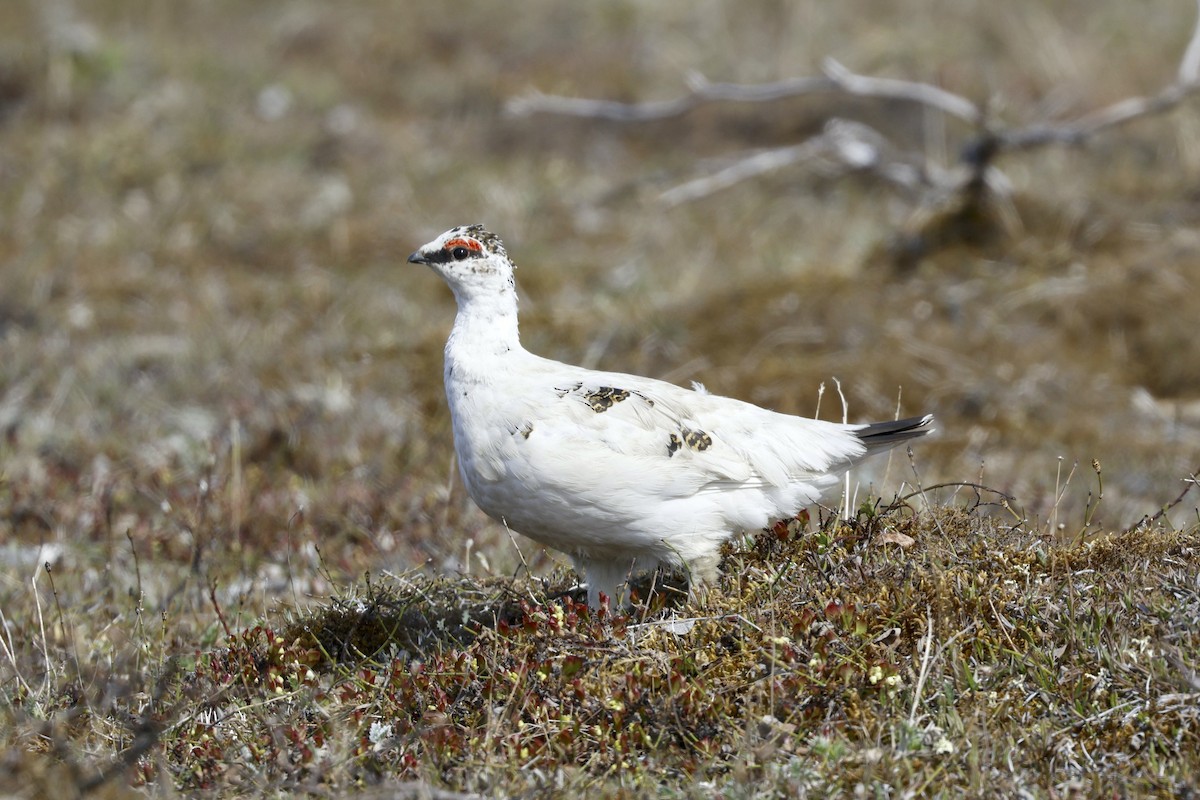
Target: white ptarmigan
620 472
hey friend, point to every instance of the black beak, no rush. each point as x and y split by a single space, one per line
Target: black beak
417 258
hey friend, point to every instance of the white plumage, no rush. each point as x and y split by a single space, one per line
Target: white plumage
622 473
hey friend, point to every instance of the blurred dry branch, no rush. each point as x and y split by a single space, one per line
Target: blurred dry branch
844 144
968 192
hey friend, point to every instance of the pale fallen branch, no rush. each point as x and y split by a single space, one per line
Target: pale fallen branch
835 78
749 167
1186 83
858 147
924 94
844 145
1189 66
702 92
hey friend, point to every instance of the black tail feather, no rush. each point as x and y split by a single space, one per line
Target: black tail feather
885 435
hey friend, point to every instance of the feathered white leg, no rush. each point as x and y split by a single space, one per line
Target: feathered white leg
608 577
703 574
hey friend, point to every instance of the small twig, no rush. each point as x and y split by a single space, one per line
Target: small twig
925 666
1148 520
49 665
1060 491
1098 717
6 644
847 504
137 568
957 484
1004 626
212 595
937 523
68 634
512 538
927 662
1089 510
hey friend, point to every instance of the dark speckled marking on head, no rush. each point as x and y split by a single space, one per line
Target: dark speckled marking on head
467 245
485 237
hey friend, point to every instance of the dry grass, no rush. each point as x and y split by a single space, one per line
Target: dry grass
947 654
220 405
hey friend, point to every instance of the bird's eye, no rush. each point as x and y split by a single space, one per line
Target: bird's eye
459 253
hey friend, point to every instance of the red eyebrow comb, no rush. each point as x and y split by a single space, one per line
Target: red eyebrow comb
470 244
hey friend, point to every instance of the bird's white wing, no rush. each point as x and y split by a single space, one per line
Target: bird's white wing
604 461
699 441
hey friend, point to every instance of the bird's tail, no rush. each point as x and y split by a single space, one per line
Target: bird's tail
880 436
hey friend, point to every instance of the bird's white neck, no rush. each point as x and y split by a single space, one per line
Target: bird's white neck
485 328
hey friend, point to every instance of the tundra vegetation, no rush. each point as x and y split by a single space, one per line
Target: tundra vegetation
235 557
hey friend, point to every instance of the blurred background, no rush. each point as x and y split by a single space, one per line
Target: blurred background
214 358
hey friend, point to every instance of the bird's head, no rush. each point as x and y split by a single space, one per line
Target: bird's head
471 259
